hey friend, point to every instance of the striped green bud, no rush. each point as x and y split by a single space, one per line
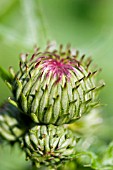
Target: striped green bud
49 145
55 87
11 123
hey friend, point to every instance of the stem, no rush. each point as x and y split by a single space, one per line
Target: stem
30 19
35 25
42 20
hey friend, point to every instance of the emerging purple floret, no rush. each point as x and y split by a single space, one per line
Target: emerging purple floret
57 66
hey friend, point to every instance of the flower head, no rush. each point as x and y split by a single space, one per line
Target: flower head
55 87
49 145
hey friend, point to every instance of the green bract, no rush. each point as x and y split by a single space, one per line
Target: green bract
54 87
49 145
11 123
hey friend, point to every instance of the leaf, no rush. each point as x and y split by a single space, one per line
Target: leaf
107 159
4 75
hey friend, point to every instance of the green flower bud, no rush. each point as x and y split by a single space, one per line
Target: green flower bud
11 123
49 145
54 88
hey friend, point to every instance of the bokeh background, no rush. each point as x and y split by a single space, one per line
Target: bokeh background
86 24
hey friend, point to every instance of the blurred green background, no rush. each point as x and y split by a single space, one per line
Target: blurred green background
86 24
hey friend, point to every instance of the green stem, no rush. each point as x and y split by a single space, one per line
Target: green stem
35 24
42 19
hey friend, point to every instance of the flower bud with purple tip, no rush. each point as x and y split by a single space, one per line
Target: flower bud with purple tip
55 86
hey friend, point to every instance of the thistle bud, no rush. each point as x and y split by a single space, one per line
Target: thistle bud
54 87
49 145
11 123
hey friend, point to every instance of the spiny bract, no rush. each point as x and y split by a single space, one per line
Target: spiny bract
49 145
54 87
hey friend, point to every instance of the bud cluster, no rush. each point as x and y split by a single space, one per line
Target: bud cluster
52 88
